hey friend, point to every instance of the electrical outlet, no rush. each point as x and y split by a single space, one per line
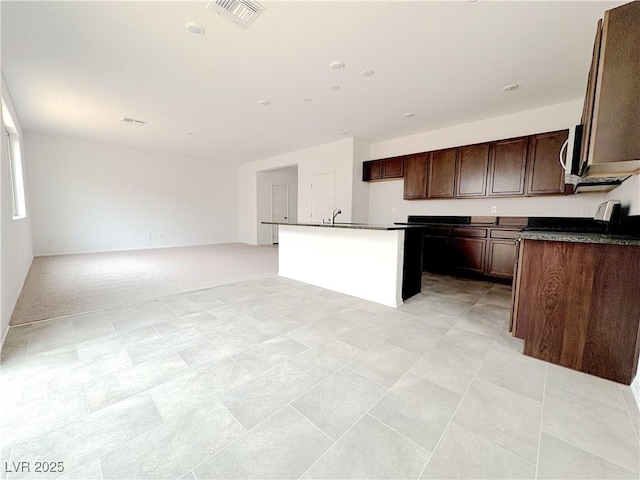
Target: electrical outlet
494 209
149 236
393 209
161 235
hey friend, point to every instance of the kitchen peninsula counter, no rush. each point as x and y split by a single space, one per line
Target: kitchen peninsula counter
378 263
355 226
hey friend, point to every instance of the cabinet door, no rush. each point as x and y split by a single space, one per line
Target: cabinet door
468 254
472 166
371 170
545 175
435 253
501 258
616 115
415 176
507 167
393 167
441 178
590 98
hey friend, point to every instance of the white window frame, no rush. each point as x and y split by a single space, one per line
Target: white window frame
14 157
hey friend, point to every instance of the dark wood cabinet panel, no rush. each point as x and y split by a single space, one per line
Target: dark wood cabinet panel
441 178
372 170
472 165
469 232
415 176
577 305
501 257
468 254
507 167
590 97
614 143
436 253
545 175
476 250
393 167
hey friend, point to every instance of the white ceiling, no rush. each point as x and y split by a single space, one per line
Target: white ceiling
76 68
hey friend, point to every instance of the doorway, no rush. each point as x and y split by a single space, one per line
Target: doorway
279 208
277 198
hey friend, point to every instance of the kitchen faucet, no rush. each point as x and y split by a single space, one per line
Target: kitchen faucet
334 213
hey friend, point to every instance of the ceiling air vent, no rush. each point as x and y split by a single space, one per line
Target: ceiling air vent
133 121
240 12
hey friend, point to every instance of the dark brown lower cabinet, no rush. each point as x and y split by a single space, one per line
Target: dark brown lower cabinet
467 254
475 251
501 257
577 305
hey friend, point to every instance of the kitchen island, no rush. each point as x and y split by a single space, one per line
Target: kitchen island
378 263
576 301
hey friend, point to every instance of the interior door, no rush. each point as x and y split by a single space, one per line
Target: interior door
322 196
279 208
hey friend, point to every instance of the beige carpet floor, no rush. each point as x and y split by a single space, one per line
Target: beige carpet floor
67 284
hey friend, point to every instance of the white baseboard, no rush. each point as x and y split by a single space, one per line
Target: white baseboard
635 389
4 337
132 249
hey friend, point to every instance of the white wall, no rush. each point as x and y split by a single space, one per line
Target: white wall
16 252
280 176
334 157
92 196
360 206
386 204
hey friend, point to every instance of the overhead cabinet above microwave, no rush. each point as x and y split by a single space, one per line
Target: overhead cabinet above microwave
611 113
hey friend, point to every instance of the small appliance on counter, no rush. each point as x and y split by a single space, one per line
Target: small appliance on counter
607 219
608 212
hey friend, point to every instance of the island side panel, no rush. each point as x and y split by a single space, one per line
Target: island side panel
363 263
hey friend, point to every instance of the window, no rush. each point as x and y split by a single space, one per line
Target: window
15 164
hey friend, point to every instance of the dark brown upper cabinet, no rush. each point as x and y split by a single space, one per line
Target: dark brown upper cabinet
441 176
472 166
393 167
383 169
507 167
504 168
372 170
612 110
545 175
415 176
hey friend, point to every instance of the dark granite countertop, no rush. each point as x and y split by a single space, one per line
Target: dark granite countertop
579 237
464 225
356 226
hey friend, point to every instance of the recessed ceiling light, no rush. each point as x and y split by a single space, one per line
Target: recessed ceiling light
133 121
367 73
511 87
409 115
306 99
336 65
344 132
473 1
194 28
264 102
334 87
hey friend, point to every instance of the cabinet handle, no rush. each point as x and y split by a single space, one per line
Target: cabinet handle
564 162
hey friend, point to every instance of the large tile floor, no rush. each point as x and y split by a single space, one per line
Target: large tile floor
278 379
